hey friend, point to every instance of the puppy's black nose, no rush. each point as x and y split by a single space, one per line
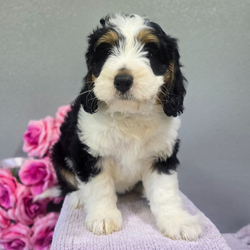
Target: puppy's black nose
123 82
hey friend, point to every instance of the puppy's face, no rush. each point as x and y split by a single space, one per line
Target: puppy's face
132 61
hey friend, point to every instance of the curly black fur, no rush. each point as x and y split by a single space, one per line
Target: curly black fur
171 163
70 147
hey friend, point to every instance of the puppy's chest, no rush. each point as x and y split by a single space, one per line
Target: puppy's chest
130 141
124 139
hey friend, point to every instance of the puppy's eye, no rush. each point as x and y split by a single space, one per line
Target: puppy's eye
152 50
157 58
108 52
150 54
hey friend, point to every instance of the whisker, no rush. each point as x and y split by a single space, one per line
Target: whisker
84 92
168 93
165 88
159 100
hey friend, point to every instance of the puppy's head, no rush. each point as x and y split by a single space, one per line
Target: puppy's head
132 61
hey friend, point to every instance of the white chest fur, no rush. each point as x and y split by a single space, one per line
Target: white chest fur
130 142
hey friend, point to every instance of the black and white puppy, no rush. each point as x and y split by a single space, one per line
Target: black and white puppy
122 128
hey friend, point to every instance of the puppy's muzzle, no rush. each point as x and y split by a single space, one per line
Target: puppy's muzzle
123 82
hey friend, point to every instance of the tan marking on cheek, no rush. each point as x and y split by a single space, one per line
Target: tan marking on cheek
89 74
90 79
168 83
110 37
146 36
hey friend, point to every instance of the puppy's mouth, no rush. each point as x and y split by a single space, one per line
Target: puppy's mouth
124 96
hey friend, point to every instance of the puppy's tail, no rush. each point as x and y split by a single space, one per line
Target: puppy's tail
52 192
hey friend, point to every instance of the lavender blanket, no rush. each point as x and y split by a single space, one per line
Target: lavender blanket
239 240
139 230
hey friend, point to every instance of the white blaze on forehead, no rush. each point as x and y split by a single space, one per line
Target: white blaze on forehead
128 25
129 49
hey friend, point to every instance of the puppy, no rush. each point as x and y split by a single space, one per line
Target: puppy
123 126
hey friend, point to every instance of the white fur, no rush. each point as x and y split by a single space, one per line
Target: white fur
130 141
130 135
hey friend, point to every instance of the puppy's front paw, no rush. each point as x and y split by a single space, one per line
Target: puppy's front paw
180 225
104 223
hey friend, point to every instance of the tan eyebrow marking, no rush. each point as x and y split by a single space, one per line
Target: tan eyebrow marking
110 37
147 36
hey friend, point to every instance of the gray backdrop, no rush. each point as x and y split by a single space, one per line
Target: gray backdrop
42 46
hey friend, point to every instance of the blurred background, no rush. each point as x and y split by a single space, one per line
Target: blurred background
42 46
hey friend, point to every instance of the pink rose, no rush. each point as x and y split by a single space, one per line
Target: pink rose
26 210
55 135
17 237
43 230
38 137
57 200
8 185
39 174
61 114
4 219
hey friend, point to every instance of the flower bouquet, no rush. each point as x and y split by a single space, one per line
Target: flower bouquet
25 223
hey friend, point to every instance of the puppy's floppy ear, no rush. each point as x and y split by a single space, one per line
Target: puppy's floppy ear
87 96
174 86
174 81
